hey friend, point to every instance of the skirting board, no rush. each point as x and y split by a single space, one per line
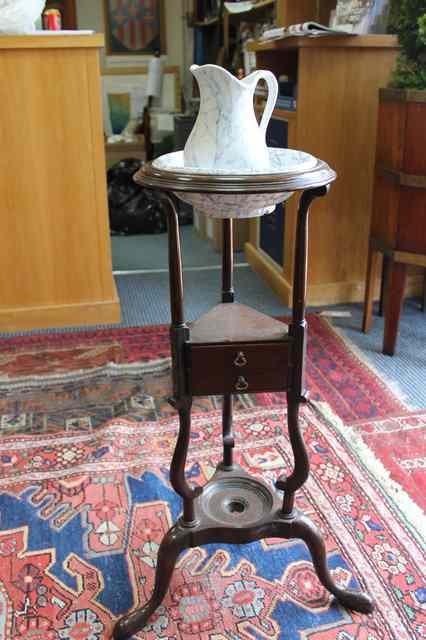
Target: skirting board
273 277
318 294
66 315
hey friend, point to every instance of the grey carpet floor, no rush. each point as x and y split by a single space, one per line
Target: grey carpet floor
149 252
407 368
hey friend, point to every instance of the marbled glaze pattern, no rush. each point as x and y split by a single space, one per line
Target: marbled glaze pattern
226 134
280 161
234 205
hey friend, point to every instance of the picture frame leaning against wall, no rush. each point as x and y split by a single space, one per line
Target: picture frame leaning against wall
361 16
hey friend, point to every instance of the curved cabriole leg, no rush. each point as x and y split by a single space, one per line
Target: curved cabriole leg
227 433
301 461
175 541
178 538
349 598
177 468
298 333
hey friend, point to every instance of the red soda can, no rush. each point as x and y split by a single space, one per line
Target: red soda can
52 20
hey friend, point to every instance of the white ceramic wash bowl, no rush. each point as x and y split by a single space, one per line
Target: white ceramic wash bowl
238 205
234 205
280 161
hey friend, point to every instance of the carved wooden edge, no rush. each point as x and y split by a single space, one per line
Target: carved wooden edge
402 179
151 177
401 95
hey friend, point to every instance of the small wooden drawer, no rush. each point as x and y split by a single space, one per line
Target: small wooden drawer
238 368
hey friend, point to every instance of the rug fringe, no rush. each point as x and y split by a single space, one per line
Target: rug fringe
403 502
392 385
111 368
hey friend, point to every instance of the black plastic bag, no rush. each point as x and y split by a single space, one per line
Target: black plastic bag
132 210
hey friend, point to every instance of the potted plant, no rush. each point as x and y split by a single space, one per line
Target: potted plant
405 98
408 21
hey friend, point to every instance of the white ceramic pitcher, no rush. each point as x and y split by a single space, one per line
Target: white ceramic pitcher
226 135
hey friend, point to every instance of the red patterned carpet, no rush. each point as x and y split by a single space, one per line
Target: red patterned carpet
335 375
87 440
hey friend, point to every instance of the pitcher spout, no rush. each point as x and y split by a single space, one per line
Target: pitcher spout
218 74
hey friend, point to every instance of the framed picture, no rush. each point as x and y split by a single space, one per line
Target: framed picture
362 16
134 27
124 95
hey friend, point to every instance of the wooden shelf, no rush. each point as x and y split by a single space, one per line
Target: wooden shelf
263 4
205 23
233 322
368 41
287 113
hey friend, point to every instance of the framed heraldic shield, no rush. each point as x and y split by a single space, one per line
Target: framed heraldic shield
134 27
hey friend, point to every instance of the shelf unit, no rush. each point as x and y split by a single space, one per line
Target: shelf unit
338 80
260 11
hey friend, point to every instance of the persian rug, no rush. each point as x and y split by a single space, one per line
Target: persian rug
77 381
82 516
87 438
41 373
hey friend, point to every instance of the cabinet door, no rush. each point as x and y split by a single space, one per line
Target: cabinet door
271 235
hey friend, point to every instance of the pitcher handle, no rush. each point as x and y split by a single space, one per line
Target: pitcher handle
272 83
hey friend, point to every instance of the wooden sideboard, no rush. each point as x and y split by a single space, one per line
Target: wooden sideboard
55 263
338 80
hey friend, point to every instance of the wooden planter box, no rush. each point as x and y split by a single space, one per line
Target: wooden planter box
398 226
399 208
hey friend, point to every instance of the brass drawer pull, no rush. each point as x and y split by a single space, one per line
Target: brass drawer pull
241 384
240 360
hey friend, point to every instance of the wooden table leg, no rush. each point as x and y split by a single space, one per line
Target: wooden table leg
395 299
384 283
372 274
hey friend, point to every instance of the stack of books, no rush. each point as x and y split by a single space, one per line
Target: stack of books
286 102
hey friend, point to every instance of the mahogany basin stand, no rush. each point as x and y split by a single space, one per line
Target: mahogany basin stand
234 349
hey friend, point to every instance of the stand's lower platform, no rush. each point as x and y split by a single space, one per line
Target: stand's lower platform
235 508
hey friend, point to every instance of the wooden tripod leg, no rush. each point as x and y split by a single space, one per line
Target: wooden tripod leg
228 436
305 529
176 540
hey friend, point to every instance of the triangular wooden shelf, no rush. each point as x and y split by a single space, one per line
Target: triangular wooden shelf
233 322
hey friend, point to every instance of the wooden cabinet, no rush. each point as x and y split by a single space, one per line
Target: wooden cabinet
398 224
336 119
55 263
